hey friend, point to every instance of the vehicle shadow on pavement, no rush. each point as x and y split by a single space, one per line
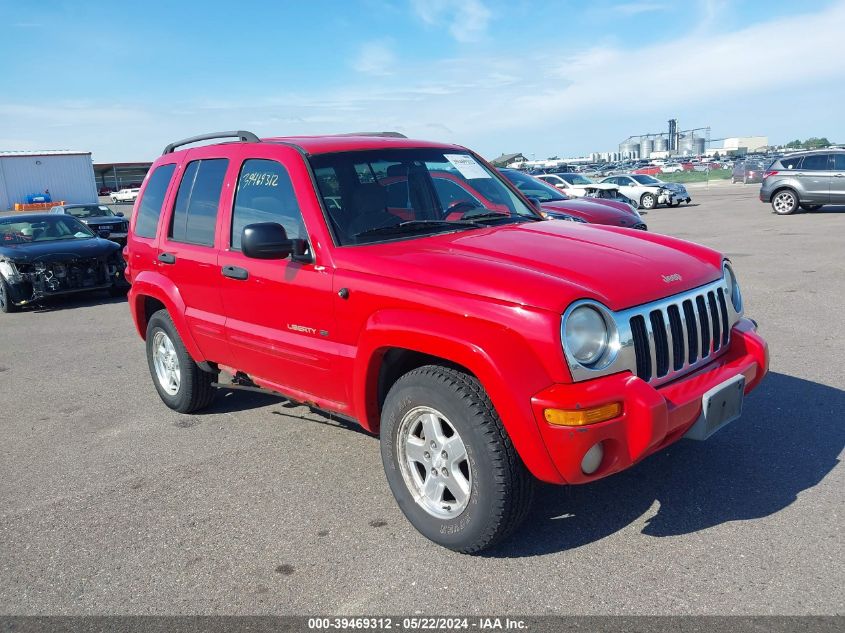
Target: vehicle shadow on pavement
234 400
76 301
788 439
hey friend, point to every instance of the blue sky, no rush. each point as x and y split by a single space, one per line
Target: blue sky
558 77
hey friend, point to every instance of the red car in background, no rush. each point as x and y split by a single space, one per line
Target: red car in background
592 210
650 170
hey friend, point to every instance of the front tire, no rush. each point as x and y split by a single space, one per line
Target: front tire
449 461
785 202
648 201
7 306
182 384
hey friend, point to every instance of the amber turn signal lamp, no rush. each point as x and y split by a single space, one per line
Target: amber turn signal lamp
583 417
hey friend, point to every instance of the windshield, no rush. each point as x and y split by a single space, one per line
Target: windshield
43 229
576 179
645 180
90 211
377 195
534 187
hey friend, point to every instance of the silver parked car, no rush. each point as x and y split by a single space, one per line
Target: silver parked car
808 180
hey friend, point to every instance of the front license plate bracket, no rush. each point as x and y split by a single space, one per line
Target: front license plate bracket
720 406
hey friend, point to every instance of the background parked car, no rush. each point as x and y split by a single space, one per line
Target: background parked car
99 218
646 190
808 180
125 195
748 171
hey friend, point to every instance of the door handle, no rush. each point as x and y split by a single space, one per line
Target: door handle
839 175
233 272
167 258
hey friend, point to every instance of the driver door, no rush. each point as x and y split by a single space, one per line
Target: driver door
279 313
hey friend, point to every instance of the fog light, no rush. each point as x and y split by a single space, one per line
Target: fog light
582 417
592 459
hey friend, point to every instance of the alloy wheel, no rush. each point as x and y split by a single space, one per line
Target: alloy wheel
434 464
166 363
784 202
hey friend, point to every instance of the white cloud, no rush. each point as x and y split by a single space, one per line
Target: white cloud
375 58
467 20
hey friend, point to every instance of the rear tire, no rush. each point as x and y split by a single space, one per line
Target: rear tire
428 413
182 384
6 304
785 202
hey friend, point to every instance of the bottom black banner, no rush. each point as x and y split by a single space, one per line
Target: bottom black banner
403 624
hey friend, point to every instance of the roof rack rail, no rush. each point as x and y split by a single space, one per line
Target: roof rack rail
387 134
246 137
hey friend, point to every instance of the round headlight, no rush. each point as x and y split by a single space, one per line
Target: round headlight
733 288
586 335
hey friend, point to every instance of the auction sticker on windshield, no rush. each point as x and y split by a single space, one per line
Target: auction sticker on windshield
467 165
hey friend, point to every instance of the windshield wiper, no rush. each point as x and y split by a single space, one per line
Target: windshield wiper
411 226
494 215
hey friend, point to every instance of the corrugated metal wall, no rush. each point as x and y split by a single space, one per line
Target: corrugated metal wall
68 177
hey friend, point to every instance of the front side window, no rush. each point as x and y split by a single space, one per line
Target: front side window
379 195
149 209
577 179
265 194
839 162
195 212
816 162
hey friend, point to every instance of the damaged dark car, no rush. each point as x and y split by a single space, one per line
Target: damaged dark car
43 256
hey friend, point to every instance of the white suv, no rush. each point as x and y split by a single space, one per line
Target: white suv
125 195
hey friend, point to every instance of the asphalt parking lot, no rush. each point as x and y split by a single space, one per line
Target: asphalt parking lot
112 503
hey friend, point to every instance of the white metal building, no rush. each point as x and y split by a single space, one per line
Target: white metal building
67 175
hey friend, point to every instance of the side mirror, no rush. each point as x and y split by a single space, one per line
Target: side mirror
119 214
560 185
535 202
104 234
269 240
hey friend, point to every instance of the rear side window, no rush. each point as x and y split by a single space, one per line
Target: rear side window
839 162
791 163
816 162
195 212
149 209
265 194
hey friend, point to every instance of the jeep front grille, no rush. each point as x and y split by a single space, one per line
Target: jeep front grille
680 334
666 339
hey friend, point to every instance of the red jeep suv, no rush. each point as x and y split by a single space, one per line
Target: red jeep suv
486 346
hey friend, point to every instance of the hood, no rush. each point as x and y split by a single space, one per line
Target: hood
58 250
595 211
545 265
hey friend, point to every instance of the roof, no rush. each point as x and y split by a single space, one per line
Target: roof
507 158
42 152
329 144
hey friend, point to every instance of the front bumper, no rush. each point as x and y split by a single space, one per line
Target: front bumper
651 419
